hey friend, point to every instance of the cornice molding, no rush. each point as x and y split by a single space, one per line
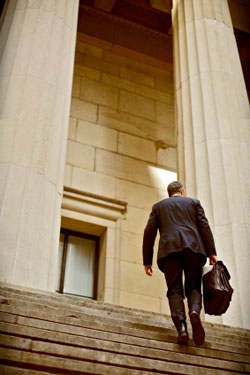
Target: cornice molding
164 6
122 21
150 12
93 204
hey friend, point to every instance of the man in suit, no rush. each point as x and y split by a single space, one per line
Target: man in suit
185 242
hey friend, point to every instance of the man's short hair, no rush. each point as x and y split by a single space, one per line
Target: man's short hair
174 187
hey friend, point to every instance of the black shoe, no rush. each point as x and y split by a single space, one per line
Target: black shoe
198 331
182 333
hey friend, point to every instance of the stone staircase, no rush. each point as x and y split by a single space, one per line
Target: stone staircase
47 333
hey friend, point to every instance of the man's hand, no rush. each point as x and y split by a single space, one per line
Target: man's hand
148 270
213 259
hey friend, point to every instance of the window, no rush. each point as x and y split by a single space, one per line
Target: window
78 264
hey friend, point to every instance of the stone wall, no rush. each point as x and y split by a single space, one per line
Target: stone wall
121 144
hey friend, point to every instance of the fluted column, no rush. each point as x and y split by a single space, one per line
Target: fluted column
37 46
212 116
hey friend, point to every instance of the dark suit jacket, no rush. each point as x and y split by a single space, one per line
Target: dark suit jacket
182 224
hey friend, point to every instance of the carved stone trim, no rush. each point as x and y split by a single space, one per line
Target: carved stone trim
123 21
105 5
92 204
134 7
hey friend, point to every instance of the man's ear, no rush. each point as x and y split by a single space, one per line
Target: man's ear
182 191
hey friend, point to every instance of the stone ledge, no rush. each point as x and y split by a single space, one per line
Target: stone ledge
97 205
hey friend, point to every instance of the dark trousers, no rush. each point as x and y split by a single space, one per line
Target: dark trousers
191 263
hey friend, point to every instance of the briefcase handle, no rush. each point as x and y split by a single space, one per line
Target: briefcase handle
218 264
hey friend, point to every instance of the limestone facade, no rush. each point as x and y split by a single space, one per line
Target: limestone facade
121 145
110 121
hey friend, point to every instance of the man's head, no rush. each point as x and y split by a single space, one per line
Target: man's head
175 187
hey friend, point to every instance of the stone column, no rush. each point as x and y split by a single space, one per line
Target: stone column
37 57
212 116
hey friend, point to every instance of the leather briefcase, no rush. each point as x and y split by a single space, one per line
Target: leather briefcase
217 291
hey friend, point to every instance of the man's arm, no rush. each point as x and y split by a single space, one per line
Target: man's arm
148 241
205 232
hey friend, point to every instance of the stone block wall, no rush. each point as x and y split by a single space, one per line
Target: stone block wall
121 145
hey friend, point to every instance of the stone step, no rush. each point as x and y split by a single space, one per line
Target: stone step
16 348
170 332
140 349
48 333
110 310
123 337
61 365
91 313
93 309
9 370
114 325
48 311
